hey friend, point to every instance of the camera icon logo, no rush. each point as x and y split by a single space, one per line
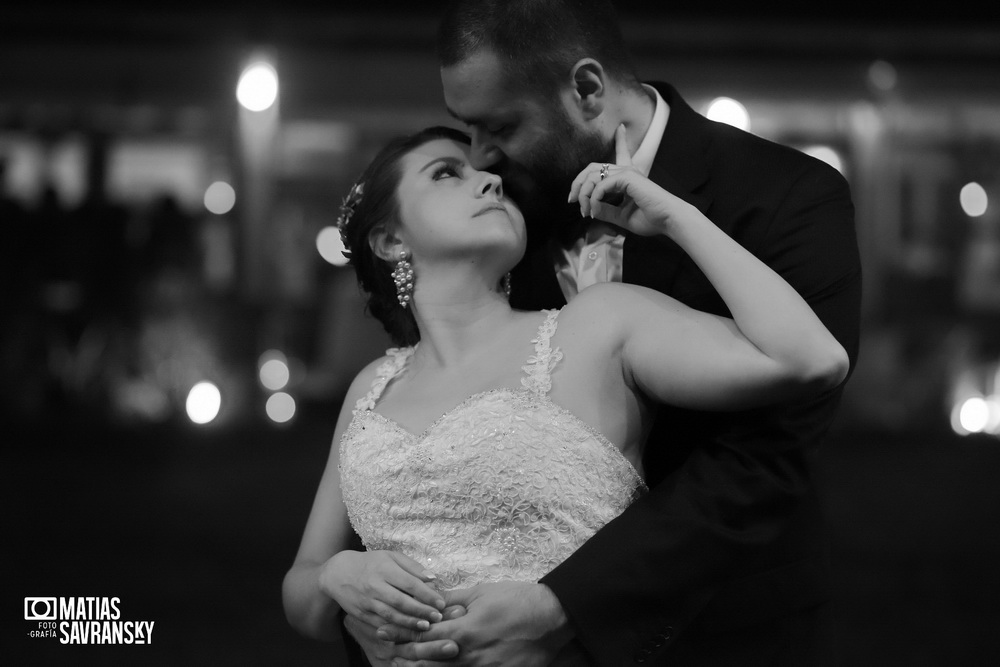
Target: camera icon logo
40 609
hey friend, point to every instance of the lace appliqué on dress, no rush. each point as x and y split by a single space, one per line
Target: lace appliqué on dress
506 485
538 370
386 371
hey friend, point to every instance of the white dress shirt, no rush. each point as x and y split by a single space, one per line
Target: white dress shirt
597 256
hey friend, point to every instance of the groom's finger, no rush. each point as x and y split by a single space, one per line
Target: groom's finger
400 635
364 635
359 629
439 650
390 632
454 611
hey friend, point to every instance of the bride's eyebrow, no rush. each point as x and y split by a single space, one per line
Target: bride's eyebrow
455 162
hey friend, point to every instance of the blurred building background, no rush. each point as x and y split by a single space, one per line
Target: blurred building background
177 330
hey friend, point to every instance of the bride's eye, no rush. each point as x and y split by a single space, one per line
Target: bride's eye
444 171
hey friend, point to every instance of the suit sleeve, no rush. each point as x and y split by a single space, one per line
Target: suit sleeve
737 479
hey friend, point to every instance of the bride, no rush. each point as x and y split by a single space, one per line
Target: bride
493 442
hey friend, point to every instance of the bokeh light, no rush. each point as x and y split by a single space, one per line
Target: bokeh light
220 198
974 415
729 111
203 403
973 199
257 89
331 246
274 372
280 407
993 410
882 76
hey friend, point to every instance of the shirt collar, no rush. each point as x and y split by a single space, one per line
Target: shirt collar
598 231
643 158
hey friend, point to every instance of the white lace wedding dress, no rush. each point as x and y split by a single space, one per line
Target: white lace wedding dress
506 485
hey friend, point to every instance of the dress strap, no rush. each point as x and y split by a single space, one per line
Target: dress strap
538 371
387 370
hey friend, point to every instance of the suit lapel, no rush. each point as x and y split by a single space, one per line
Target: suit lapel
680 164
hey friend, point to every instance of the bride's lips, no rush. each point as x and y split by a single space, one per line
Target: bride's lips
496 206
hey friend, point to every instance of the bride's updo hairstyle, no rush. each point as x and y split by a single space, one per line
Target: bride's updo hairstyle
372 207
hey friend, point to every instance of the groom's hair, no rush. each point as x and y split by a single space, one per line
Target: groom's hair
537 41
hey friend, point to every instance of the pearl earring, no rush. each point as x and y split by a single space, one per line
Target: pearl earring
402 275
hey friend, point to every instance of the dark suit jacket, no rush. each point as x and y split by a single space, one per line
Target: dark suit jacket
730 538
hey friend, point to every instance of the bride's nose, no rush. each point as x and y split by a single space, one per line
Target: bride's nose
491 183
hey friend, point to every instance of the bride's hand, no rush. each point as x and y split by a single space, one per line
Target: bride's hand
381 587
646 209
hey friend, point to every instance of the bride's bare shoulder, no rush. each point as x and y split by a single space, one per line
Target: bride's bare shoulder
616 308
610 299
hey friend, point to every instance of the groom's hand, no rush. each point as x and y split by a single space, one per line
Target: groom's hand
380 650
506 623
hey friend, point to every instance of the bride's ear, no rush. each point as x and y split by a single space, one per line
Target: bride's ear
385 244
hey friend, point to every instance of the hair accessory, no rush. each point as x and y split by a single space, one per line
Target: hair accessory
347 206
402 275
604 170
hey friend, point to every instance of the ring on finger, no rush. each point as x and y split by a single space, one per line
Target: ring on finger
604 170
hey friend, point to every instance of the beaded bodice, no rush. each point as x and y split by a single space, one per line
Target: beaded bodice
506 485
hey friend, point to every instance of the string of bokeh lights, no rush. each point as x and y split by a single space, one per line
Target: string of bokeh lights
257 90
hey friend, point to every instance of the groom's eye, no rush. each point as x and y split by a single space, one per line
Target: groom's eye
500 130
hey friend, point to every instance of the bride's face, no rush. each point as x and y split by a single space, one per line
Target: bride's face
450 210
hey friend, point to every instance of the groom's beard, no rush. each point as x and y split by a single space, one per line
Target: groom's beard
540 182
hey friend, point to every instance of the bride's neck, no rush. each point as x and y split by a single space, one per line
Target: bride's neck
456 326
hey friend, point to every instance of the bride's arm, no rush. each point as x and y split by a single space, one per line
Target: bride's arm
687 358
310 610
377 586
774 348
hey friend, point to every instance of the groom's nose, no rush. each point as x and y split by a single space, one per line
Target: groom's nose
483 154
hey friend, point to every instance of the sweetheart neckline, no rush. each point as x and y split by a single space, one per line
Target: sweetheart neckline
419 437
455 408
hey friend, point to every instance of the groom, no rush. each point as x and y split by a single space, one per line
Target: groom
724 561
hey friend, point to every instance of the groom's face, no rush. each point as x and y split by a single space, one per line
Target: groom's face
534 144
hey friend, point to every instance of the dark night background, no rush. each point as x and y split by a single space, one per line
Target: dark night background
119 291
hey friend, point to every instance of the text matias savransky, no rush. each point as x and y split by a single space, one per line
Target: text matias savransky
85 620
